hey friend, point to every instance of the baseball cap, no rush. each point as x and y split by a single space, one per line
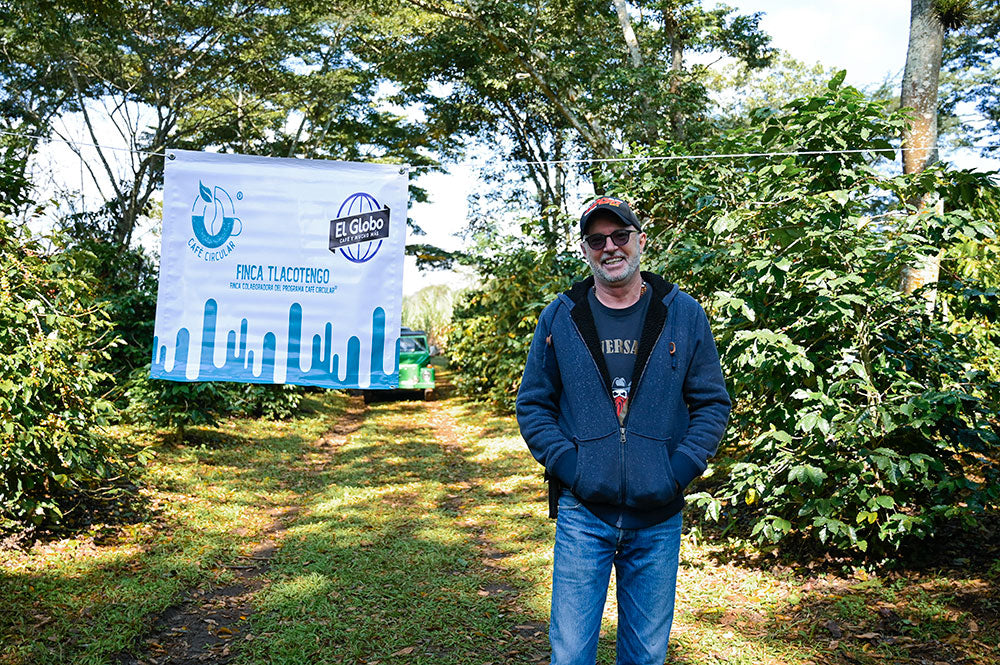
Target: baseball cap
616 207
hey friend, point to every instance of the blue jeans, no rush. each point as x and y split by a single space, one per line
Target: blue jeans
645 562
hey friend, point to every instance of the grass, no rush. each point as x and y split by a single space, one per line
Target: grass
83 598
420 536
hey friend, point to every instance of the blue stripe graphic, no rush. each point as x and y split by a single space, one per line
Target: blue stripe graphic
324 366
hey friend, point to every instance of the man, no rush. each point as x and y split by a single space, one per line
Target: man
623 402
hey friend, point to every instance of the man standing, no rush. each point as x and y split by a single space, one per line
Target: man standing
623 402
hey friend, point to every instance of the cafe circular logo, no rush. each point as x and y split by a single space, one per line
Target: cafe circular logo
360 227
214 220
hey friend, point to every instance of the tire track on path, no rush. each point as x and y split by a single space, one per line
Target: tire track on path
205 625
526 640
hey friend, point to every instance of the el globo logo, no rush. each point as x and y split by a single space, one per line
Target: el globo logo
359 228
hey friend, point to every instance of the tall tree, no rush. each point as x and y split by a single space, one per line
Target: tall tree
928 21
272 77
563 79
34 89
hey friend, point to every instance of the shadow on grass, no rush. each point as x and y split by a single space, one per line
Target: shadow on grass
208 437
936 601
430 540
81 599
396 557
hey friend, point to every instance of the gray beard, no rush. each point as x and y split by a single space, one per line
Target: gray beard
632 265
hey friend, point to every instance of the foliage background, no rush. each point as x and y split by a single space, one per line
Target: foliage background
55 340
861 421
430 309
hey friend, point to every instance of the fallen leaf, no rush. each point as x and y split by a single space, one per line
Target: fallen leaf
405 651
834 629
867 636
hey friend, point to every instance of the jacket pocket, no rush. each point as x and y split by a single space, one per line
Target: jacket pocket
649 479
598 469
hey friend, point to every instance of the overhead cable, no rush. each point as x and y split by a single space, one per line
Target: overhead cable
554 162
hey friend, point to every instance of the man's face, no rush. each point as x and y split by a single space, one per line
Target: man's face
611 264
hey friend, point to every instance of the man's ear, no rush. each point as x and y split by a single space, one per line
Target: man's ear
642 240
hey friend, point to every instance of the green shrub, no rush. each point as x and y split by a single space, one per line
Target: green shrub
260 400
178 404
492 326
860 421
54 338
125 283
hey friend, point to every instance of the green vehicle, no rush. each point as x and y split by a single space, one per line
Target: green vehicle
415 370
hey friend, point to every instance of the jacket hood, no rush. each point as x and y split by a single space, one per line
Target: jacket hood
579 310
662 289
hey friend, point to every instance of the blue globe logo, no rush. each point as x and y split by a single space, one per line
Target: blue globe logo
357 204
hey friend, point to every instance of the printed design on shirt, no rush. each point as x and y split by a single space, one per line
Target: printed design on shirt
626 346
619 391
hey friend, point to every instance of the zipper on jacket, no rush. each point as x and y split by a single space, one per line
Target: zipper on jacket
621 469
635 389
621 427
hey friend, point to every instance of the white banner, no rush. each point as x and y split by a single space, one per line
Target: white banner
280 271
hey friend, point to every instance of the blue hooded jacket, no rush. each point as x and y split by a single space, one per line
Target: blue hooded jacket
631 474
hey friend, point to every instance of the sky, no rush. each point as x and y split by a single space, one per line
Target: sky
868 38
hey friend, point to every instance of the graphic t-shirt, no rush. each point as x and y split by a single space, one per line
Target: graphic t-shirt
618 331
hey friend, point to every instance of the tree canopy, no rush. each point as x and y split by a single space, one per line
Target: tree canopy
970 101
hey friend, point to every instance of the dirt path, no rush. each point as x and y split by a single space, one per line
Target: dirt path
465 468
527 639
205 626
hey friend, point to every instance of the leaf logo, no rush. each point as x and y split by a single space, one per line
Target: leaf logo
214 227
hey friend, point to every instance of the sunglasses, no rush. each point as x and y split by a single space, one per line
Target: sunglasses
620 237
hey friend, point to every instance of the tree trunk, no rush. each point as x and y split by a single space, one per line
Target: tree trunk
920 86
676 69
673 33
628 33
920 93
635 55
